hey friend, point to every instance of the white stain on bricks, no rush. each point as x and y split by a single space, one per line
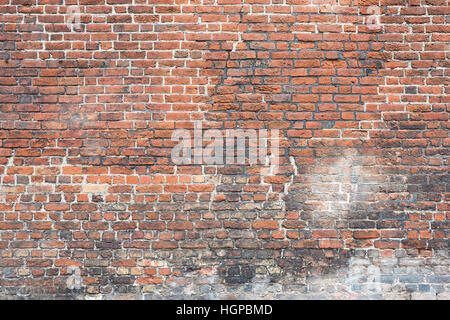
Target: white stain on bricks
35 181
38 182
334 183
363 275
289 184
367 275
4 187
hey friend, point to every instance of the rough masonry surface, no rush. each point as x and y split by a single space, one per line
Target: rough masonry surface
93 207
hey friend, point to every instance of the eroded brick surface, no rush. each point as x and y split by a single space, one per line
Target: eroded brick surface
358 91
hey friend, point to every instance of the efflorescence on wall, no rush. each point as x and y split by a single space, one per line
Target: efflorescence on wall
224 149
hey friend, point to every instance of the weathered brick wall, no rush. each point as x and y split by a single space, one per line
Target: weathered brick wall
92 203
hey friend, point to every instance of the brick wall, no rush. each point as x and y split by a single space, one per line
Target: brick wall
92 202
